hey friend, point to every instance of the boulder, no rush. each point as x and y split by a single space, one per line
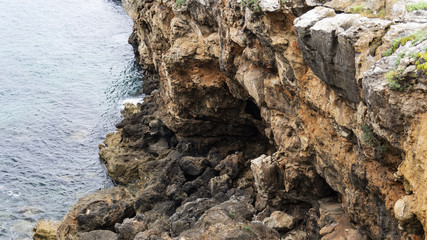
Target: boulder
279 221
98 235
45 230
99 210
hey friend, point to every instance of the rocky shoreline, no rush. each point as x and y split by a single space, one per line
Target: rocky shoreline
268 120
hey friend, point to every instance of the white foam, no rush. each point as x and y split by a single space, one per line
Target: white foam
134 101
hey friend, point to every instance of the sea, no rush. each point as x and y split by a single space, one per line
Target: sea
66 69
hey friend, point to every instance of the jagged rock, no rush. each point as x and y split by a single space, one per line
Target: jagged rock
269 5
219 184
267 175
130 227
193 166
98 234
279 221
230 165
295 235
45 230
99 210
187 215
229 220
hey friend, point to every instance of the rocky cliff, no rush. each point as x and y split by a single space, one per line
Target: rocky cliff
268 119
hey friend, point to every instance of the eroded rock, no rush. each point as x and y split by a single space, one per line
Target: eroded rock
99 210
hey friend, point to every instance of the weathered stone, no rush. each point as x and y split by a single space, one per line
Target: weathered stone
269 5
98 234
230 165
267 175
279 221
130 227
219 184
99 210
45 230
295 235
193 166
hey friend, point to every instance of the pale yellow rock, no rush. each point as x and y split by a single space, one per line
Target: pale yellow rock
45 230
413 169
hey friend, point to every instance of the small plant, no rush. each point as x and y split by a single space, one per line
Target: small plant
381 13
419 36
367 136
416 6
179 3
382 148
244 40
357 9
284 1
393 78
399 57
247 228
231 214
421 62
254 4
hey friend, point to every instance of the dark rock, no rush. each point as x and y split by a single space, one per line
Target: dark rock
230 165
130 227
99 210
98 235
193 166
219 184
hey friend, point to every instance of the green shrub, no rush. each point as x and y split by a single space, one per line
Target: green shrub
393 78
419 36
357 9
416 6
179 3
367 136
253 4
421 62
399 57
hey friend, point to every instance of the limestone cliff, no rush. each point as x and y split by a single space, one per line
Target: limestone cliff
268 119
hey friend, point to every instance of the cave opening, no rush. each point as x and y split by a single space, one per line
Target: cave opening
252 109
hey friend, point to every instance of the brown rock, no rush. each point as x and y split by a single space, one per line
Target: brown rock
45 230
99 210
279 221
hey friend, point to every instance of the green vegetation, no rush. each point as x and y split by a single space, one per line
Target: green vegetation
231 214
284 1
421 62
382 149
357 9
253 4
360 9
247 228
419 36
416 6
179 3
399 57
367 136
393 78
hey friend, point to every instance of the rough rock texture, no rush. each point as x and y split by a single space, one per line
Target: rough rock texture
45 230
99 210
256 111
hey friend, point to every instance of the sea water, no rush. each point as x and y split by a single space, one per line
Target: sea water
65 69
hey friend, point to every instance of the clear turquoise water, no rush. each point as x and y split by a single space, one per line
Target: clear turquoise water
65 69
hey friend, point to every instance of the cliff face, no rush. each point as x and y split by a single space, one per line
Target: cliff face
256 109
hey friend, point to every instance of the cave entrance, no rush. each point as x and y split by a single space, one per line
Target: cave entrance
252 109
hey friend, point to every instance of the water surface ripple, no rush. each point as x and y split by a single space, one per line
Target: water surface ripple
65 68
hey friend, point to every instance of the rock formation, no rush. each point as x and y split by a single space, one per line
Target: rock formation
269 119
